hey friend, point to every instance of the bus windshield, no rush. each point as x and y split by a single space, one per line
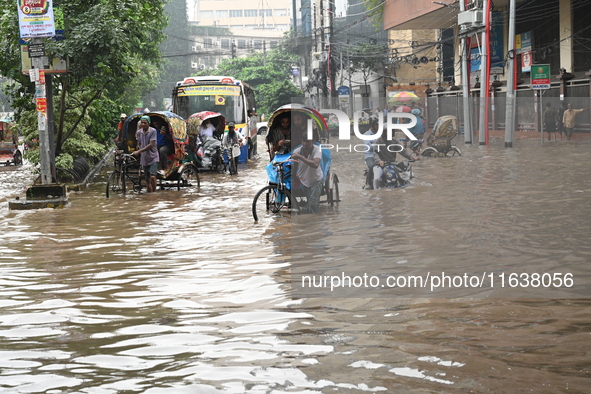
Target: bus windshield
225 99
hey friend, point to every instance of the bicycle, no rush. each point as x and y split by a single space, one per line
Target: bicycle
232 167
126 176
276 199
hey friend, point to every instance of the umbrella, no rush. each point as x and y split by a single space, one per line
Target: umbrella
403 108
197 118
400 98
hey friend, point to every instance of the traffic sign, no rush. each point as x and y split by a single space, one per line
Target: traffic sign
540 76
36 50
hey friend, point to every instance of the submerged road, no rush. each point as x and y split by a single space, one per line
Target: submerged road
181 292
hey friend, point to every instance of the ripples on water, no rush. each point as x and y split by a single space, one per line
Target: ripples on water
180 292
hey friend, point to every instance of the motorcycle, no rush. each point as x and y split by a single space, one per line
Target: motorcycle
395 174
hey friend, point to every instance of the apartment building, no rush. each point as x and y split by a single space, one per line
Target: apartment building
273 15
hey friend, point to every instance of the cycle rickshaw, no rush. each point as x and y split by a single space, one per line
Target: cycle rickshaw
278 198
207 151
444 131
9 151
181 171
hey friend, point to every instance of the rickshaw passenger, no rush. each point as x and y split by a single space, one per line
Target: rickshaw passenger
309 172
299 127
165 143
206 129
280 137
146 137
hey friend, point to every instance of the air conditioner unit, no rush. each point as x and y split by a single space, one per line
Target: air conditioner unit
202 67
471 19
194 65
217 43
195 48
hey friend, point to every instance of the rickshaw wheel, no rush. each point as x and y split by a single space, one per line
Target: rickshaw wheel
454 150
269 201
429 152
334 191
189 176
113 183
18 158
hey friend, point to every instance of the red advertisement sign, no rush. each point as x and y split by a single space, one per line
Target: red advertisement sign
41 105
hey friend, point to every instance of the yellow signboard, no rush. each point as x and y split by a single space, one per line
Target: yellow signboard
210 90
57 66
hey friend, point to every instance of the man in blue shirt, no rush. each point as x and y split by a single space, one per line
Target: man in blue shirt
165 143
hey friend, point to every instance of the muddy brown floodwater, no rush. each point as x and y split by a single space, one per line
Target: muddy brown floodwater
181 292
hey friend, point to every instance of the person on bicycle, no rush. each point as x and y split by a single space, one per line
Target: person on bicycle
233 141
308 157
146 138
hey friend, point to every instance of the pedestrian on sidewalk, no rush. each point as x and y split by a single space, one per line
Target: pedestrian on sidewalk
568 120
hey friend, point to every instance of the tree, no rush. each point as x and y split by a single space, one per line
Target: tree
112 50
269 75
367 58
176 53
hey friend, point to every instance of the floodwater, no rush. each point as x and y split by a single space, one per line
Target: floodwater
181 292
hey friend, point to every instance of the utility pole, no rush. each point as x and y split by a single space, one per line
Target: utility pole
465 83
331 71
484 77
510 106
42 110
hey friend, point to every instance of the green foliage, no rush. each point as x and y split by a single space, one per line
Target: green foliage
175 49
376 11
366 58
113 54
270 77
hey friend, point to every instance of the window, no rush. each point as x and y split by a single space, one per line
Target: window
250 13
241 44
258 44
205 14
251 26
281 27
221 14
282 12
226 43
265 12
235 13
273 44
207 43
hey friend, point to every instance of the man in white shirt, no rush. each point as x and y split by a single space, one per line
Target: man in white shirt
308 158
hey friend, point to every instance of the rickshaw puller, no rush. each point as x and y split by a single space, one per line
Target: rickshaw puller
146 137
309 172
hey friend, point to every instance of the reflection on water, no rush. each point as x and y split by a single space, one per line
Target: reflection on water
180 292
